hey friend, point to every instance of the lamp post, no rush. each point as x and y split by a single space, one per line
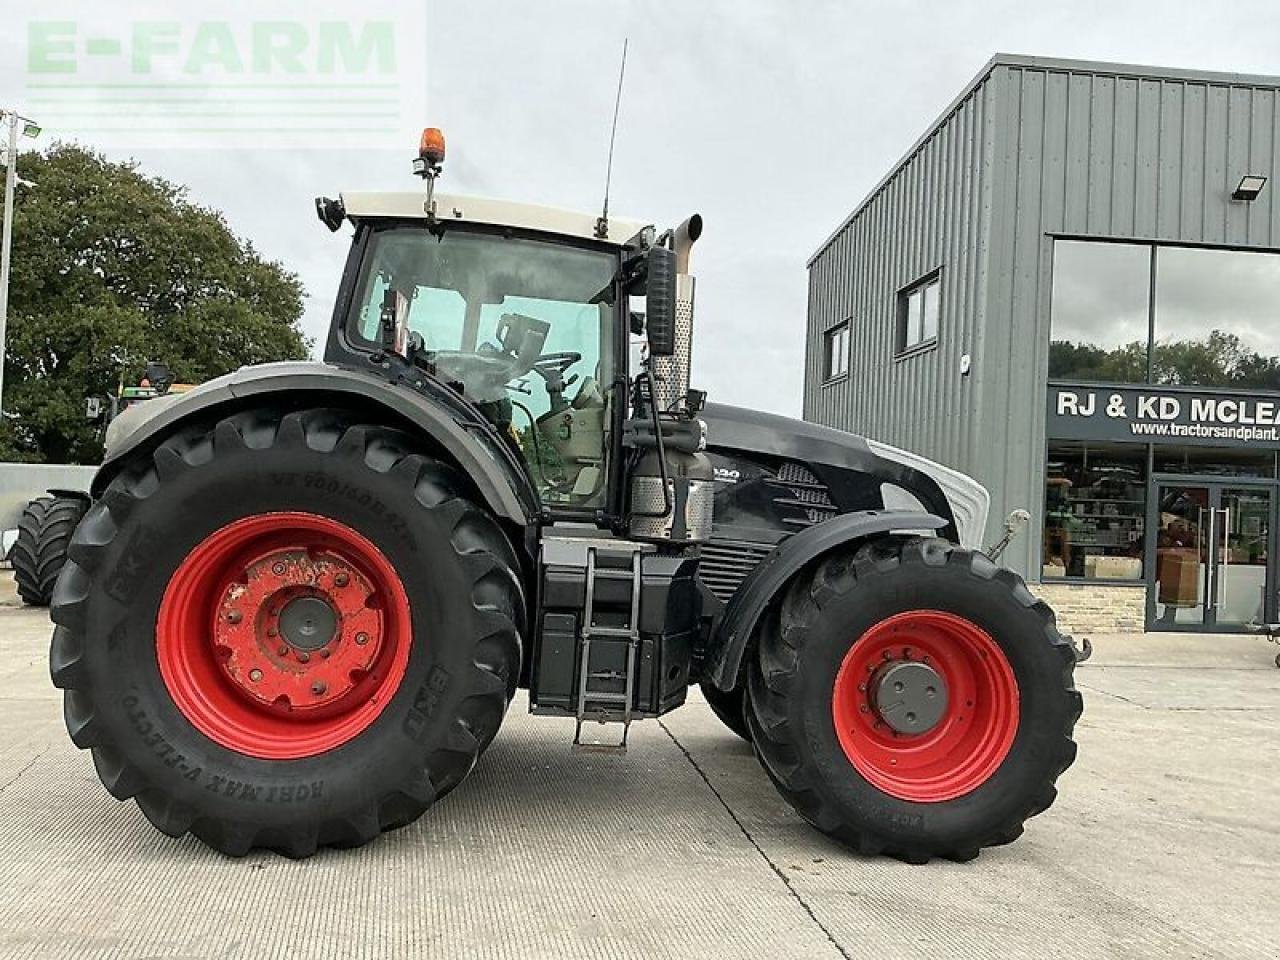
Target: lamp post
29 129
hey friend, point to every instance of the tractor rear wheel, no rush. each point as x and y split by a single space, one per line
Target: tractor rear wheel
913 699
39 553
286 631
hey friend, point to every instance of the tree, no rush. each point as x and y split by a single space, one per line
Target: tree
1221 359
112 268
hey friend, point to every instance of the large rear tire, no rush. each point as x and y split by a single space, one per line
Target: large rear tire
913 699
39 553
286 631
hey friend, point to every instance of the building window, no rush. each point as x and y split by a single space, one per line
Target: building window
919 308
1095 512
1215 318
1211 322
835 351
1101 313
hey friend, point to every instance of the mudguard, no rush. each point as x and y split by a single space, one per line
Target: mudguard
767 581
464 435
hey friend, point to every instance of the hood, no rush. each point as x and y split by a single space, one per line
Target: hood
968 502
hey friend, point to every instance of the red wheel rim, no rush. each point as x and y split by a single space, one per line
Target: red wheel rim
283 635
977 725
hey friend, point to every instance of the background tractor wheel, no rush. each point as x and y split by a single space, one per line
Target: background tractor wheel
729 707
286 631
907 730
40 552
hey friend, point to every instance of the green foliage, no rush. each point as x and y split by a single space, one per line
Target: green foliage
112 268
1220 360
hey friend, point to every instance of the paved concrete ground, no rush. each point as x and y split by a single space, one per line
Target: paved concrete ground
1165 843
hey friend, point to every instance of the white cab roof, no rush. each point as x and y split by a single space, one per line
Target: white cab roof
411 204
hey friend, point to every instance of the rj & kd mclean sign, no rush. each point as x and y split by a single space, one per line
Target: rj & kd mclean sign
1146 415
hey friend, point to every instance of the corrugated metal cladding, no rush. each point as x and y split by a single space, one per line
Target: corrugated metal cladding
1032 149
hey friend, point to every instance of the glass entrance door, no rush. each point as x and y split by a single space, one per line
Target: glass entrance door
1180 589
1242 552
1212 557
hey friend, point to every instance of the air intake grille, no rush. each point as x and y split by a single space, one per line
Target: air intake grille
726 563
806 491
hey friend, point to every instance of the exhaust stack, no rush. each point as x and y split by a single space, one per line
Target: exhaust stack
672 373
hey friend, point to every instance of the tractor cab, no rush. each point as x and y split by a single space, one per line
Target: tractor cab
524 313
525 326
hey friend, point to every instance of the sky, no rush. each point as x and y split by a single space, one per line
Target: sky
772 119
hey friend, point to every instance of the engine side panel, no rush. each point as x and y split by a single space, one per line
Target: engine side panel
776 477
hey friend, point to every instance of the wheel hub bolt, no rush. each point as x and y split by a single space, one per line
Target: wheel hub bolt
284 649
278 569
318 688
234 616
341 580
255 674
304 657
362 638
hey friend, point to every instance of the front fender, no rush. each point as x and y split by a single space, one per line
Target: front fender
771 576
465 438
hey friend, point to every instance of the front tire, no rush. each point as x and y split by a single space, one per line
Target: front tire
286 631
913 699
39 553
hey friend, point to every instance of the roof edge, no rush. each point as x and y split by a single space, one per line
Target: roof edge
1100 67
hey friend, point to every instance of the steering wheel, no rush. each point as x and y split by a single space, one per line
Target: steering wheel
552 366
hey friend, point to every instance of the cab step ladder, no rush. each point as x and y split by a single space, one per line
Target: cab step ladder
598 697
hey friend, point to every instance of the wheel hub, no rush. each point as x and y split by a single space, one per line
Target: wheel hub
298 630
308 623
909 696
914 744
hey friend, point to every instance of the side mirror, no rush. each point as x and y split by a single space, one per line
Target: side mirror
660 302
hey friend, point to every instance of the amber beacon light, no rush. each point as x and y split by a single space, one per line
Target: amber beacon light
431 146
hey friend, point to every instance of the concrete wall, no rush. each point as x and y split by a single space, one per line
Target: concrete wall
1032 149
23 482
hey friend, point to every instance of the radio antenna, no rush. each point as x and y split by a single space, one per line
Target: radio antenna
602 225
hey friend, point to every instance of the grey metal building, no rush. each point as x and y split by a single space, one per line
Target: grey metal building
1070 288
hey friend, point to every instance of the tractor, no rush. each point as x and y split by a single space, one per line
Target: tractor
305 594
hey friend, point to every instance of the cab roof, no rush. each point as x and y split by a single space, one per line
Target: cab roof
411 205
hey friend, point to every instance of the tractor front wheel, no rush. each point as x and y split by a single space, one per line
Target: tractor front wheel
913 699
286 631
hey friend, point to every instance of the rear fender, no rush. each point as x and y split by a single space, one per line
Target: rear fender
453 427
769 579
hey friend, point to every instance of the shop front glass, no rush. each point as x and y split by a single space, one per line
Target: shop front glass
1211 321
1095 512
